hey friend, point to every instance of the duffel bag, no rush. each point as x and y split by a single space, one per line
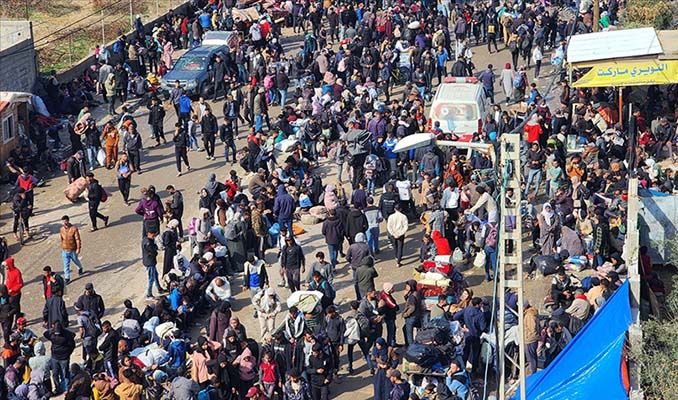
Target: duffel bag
422 355
431 335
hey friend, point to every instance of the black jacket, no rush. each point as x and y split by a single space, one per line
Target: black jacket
209 125
226 133
75 168
55 310
356 222
333 230
181 140
109 346
292 257
63 343
56 287
93 303
314 364
156 115
150 253
94 192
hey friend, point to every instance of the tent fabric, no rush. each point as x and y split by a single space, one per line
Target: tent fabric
630 73
590 366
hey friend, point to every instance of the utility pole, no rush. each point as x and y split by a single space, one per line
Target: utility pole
131 15
596 15
510 264
70 48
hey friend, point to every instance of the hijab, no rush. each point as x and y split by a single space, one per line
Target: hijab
380 354
547 214
211 185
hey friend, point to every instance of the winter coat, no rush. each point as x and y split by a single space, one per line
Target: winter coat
356 222
333 230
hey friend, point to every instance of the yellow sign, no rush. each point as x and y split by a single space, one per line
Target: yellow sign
631 73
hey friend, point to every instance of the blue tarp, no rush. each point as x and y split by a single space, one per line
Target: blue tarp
590 365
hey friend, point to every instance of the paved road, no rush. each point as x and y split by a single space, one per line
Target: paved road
111 256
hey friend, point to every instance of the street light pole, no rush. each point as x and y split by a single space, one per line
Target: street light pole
131 16
103 29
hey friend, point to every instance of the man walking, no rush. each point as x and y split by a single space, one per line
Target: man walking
226 134
209 127
181 143
293 263
70 247
487 79
94 197
131 144
156 115
185 109
397 227
150 260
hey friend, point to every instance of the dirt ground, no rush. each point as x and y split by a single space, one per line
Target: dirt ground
111 256
67 31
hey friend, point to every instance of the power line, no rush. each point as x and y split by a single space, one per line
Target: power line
41 46
81 19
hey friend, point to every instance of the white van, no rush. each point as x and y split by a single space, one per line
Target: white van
459 105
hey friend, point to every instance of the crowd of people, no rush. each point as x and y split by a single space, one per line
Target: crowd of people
345 111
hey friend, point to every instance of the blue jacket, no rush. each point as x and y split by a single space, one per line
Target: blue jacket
474 320
185 104
389 145
284 205
456 386
442 58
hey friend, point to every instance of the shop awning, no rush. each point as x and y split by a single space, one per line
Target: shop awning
637 72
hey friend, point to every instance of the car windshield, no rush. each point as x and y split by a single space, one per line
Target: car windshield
455 112
191 64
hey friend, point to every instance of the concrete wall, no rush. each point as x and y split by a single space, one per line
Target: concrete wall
658 221
78 68
18 62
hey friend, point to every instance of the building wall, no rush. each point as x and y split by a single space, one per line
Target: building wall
5 148
18 63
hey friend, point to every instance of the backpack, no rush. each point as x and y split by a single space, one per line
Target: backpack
231 231
104 195
352 332
492 235
93 328
518 81
328 291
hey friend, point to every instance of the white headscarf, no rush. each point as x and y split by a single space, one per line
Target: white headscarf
547 214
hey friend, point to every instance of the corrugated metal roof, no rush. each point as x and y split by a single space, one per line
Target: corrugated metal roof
613 44
669 43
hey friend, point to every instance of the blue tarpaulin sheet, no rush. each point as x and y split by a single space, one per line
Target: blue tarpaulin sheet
590 365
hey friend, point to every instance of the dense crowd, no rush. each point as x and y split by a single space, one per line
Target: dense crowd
347 110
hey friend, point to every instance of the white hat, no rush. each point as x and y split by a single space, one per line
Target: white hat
270 292
208 256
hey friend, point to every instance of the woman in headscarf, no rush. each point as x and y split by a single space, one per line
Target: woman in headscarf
548 230
239 329
247 371
464 300
201 355
380 359
330 199
203 230
506 81
219 321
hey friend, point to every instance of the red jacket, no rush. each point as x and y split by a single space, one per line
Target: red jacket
13 281
442 245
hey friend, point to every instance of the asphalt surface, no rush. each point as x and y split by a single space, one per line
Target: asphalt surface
111 256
